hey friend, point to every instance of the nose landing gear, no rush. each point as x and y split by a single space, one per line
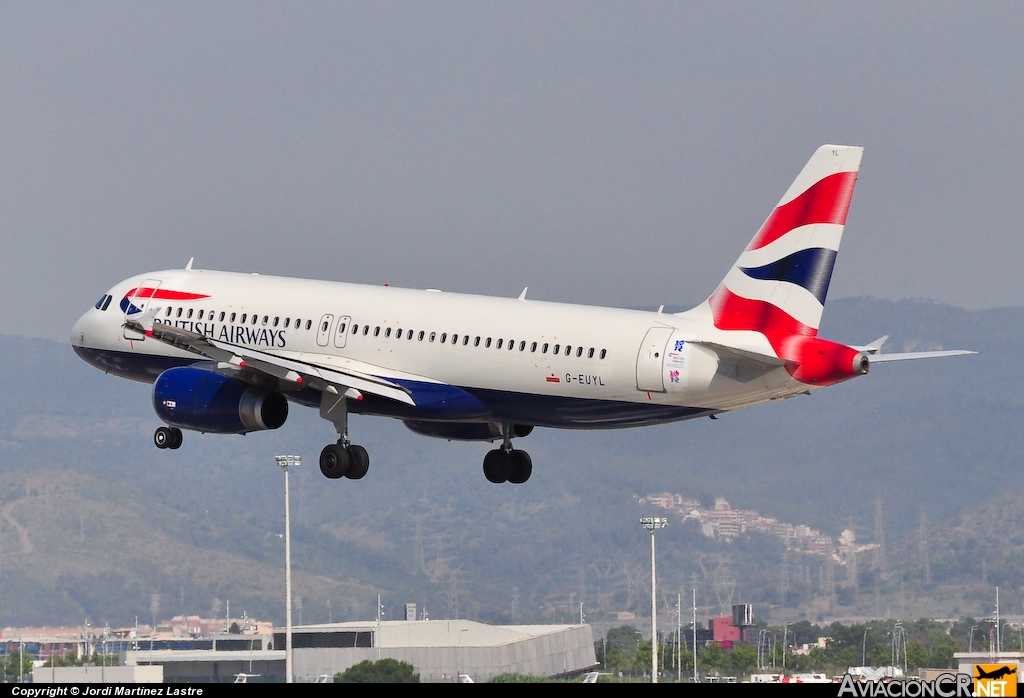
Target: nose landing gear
167 437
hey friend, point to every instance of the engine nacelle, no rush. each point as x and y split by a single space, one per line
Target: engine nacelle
201 400
465 431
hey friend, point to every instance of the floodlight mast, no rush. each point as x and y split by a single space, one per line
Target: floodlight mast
652 524
284 462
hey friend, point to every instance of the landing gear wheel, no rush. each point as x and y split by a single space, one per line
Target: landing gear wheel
334 461
497 465
162 437
176 438
359 462
522 467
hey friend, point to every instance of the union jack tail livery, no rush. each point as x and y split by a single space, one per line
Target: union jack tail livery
779 283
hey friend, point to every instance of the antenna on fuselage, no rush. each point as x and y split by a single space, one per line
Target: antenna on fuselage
188 267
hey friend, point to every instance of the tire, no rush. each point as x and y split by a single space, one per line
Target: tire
497 465
162 437
359 462
176 439
522 467
334 461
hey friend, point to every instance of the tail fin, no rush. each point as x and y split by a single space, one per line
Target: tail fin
779 283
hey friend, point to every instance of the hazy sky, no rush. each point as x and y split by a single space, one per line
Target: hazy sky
617 154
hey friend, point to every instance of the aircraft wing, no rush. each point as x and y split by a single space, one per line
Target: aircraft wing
352 378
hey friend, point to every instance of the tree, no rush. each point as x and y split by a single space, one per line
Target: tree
382 671
17 664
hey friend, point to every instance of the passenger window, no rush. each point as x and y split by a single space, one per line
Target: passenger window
355 328
309 323
544 349
398 335
555 349
232 317
533 347
276 320
287 321
522 346
255 318
409 335
376 331
444 337
511 344
487 344
590 354
241 320
568 350
323 327
366 330
465 341
341 330
604 352
476 342
455 339
189 316
387 333
432 335
180 311
200 314
421 335
222 316
265 319
168 313
498 345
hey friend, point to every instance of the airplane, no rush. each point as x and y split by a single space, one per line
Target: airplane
229 352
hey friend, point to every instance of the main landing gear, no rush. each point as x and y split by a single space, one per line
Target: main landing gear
506 464
167 437
343 459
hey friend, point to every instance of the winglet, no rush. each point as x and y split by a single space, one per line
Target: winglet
188 267
522 296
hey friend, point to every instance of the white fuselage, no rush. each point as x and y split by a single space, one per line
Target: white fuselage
612 368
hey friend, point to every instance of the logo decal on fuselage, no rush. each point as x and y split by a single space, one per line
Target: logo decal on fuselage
233 334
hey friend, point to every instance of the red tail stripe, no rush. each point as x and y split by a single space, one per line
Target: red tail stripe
164 294
732 312
825 201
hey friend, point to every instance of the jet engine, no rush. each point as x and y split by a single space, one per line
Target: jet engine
195 398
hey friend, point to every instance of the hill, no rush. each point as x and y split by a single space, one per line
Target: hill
106 512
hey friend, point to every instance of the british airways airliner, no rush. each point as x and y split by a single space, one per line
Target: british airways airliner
227 352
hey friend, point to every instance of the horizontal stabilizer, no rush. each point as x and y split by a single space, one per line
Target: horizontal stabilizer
911 355
742 355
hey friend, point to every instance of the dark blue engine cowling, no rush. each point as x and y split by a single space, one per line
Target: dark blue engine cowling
465 431
201 400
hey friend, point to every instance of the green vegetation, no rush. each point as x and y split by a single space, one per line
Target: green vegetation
382 671
921 644
15 665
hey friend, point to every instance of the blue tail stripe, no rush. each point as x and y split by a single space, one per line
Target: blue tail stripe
810 268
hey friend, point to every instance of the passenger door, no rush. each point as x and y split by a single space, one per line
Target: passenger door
650 360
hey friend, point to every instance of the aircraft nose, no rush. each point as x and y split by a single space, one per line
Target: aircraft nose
84 329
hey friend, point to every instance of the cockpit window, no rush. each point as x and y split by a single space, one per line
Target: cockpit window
99 303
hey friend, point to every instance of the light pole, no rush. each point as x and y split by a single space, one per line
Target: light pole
652 524
864 648
284 462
